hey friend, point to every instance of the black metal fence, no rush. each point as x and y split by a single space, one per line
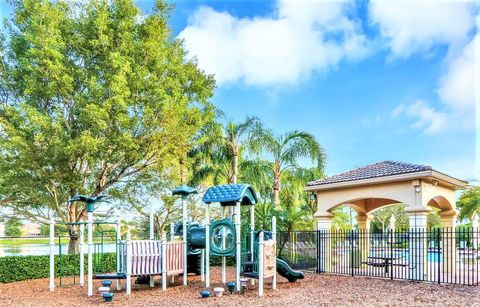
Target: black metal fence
299 249
438 255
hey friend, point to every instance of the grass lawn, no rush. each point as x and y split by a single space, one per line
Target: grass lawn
21 241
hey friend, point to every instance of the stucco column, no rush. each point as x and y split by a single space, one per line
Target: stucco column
417 245
324 225
449 248
363 222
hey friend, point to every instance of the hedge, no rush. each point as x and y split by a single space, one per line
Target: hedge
17 268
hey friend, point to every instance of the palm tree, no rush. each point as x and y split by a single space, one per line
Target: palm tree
235 137
290 219
263 215
286 150
219 156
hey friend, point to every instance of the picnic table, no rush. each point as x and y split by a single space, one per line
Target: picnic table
383 261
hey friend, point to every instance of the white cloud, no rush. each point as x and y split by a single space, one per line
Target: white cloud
456 93
427 118
416 26
409 28
300 38
457 86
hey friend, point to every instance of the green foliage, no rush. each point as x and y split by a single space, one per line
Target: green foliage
264 212
96 98
17 268
45 230
469 203
342 218
433 219
294 218
381 217
285 150
13 228
217 261
219 158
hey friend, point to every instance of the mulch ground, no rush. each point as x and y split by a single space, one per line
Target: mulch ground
314 290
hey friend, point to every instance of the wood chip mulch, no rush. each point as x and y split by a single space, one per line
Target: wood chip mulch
314 290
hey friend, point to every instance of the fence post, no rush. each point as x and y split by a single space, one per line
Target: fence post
238 257
128 281
318 251
352 265
224 260
274 237
82 254
90 254
207 247
117 248
439 239
202 262
260 264
184 230
164 262
52 253
391 252
172 235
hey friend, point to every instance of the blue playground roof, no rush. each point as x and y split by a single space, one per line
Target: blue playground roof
229 194
184 190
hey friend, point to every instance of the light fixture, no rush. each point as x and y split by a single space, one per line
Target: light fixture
313 197
417 189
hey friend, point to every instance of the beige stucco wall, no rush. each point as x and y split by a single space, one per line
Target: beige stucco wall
416 194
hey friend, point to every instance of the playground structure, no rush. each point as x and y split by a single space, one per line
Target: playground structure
254 250
133 257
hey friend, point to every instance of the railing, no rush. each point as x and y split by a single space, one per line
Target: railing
438 255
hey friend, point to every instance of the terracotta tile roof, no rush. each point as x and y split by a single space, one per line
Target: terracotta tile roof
380 169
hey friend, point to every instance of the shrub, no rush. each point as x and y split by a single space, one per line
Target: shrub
17 268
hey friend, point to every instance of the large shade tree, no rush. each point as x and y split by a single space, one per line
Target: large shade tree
95 98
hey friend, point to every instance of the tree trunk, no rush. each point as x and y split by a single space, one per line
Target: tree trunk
73 234
235 165
74 215
276 192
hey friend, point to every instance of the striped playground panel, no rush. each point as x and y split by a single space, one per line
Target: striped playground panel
147 257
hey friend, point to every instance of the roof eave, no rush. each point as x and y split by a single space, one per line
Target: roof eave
457 183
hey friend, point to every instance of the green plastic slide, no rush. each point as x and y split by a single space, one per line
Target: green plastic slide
286 271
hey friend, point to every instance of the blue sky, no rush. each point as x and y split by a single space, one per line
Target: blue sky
372 80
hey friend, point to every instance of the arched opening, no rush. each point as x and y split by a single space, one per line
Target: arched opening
347 214
440 203
365 205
